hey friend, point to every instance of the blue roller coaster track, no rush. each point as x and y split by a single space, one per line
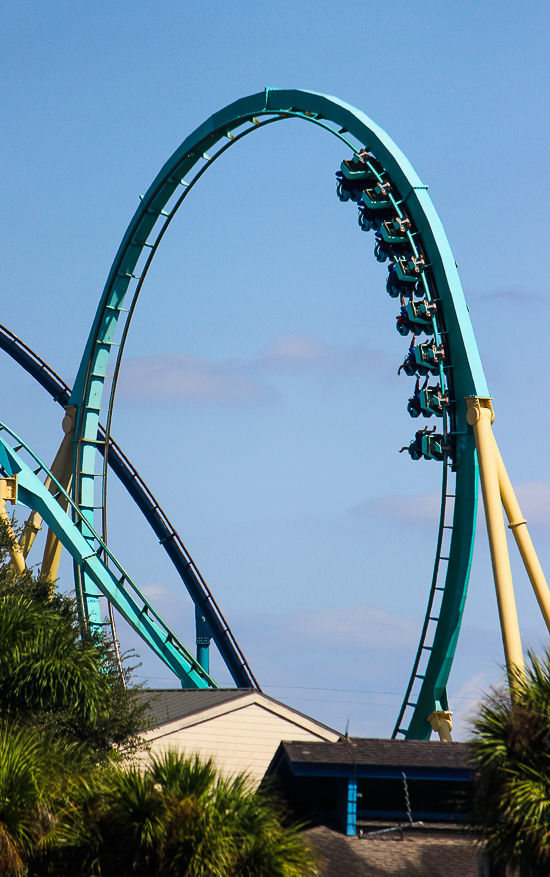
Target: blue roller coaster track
167 534
394 203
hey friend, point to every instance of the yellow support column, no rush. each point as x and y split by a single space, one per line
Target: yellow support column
32 527
62 470
8 493
518 526
480 416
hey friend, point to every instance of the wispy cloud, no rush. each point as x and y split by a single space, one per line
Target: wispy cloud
362 627
410 511
534 500
422 510
369 628
154 591
464 703
188 379
183 379
510 296
294 353
299 353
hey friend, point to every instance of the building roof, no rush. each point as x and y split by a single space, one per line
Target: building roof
374 752
363 757
168 705
437 851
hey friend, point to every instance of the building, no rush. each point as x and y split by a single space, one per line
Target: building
240 729
373 808
382 808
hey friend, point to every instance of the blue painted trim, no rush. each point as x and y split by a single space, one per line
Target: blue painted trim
367 771
347 806
351 815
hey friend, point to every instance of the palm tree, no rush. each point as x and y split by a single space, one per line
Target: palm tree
67 806
176 817
228 826
510 751
60 684
24 811
53 679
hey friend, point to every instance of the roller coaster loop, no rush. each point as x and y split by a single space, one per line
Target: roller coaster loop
394 203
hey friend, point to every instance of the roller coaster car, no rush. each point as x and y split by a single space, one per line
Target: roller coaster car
369 218
433 401
428 357
377 198
396 286
421 313
384 250
409 320
414 406
362 167
416 448
403 324
426 444
433 446
409 269
394 231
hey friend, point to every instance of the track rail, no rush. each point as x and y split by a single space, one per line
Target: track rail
150 508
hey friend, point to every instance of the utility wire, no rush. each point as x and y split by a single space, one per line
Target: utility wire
337 690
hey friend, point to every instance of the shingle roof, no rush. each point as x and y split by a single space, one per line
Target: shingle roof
386 753
170 704
413 853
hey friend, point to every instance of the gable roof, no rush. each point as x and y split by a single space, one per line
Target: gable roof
187 706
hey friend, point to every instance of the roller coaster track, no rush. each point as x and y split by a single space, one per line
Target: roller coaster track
92 555
452 355
168 537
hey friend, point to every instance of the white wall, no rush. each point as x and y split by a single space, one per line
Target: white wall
244 739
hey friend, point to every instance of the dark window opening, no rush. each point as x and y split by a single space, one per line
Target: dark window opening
428 798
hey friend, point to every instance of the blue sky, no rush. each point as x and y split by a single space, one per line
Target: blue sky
259 397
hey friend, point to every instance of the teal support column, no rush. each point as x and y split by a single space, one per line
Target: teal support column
203 637
203 654
91 594
347 805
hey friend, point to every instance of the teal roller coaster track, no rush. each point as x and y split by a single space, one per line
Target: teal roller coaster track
394 203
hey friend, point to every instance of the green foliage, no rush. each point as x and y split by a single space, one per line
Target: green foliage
511 754
69 802
21 773
175 817
52 679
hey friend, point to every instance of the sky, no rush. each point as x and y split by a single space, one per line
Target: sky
259 395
